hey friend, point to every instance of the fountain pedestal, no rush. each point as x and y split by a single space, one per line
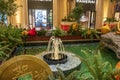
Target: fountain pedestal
49 58
73 62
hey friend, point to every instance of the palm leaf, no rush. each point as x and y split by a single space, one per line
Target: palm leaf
72 76
61 74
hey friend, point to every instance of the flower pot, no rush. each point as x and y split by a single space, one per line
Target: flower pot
65 25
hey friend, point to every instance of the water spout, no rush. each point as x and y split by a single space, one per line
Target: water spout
56 46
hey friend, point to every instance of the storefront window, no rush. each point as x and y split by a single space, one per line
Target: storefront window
89 11
40 13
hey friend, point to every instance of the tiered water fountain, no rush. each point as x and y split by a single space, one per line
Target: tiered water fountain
55 51
56 56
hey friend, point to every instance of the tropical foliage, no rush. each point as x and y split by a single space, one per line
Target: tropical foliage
7 8
97 69
10 36
61 76
4 49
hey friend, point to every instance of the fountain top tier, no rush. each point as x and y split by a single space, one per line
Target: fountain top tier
55 52
55 43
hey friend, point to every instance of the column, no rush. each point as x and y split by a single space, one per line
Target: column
55 13
21 15
99 13
25 13
111 8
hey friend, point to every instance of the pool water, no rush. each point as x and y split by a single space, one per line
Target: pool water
91 48
75 48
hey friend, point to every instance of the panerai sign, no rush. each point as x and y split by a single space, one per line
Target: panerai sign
86 1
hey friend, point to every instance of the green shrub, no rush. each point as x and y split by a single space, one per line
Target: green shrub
58 32
90 33
4 50
11 36
41 32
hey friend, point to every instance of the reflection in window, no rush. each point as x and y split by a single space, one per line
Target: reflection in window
89 11
40 13
40 18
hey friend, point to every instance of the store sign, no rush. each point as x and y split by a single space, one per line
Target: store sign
86 1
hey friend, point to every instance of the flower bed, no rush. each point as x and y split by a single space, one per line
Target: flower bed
64 38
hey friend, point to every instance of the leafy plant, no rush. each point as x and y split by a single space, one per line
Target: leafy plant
4 50
69 18
41 32
11 35
61 76
77 12
90 33
7 8
110 20
74 29
58 32
112 0
98 69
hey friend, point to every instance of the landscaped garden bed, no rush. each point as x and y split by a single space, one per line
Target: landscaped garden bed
63 38
74 33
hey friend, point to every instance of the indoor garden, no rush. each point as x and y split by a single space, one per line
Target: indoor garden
96 61
71 50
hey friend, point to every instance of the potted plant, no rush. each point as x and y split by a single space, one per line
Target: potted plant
66 22
77 12
72 17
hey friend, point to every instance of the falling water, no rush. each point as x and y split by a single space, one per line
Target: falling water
56 46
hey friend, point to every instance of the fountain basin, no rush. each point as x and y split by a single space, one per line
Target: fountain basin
49 58
57 57
73 62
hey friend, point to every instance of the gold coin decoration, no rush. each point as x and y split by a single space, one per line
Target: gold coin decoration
25 67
